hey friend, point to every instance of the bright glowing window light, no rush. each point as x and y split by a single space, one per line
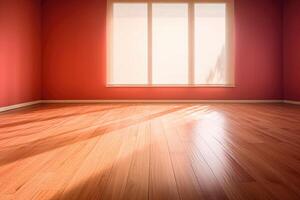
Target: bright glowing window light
210 43
130 44
150 44
170 43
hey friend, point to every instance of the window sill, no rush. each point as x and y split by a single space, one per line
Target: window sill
168 86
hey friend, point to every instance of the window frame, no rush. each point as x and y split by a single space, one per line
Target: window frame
230 42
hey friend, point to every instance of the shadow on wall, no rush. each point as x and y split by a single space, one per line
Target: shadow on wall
217 73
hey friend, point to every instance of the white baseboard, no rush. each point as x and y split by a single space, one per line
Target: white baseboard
162 101
21 105
292 102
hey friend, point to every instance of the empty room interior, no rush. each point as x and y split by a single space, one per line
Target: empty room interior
150 99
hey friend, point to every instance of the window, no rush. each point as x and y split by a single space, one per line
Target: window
180 43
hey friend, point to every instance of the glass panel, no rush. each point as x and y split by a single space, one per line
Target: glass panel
210 48
129 49
170 43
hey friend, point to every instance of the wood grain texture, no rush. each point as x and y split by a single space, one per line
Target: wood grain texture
150 151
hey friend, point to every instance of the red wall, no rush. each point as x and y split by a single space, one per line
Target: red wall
20 47
74 54
291 49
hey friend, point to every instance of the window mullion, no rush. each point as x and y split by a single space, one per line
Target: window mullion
149 42
191 17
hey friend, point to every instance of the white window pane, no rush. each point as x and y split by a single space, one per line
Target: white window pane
129 50
170 43
210 39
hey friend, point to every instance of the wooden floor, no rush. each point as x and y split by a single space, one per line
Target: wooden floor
151 151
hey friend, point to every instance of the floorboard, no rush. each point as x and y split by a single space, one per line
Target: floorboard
150 151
